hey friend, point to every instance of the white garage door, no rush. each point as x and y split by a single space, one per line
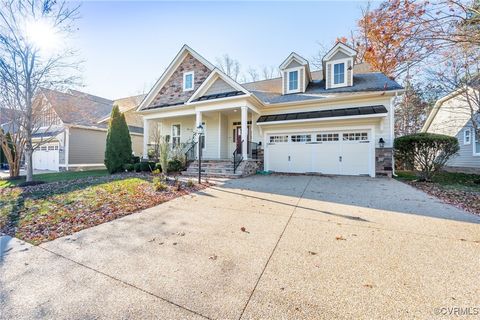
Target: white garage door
346 152
46 157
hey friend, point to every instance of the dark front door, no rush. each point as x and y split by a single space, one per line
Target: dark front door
239 137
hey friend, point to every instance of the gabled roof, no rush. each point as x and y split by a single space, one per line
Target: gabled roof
437 106
340 46
169 71
293 56
78 108
214 76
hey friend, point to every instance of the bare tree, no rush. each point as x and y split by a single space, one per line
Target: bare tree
229 65
33 55
459 74
269 72
253 74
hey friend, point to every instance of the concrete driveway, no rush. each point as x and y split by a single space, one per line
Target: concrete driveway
313 247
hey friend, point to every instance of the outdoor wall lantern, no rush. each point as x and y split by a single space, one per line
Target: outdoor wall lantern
381 143
200 131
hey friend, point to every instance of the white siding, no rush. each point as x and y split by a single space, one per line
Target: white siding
219 86
224 136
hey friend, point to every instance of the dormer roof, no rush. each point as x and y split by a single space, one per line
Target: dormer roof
296 57
342 47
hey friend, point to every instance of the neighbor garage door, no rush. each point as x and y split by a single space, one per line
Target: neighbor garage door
345 152
46 157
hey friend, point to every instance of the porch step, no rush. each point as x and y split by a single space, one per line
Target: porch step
222 168
213 175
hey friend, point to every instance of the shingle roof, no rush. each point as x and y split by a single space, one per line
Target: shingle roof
163 105
78 108
374 81
377 109
128 103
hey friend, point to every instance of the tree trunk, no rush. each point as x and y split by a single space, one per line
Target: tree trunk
29 158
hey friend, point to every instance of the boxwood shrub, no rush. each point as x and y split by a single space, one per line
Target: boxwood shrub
426 152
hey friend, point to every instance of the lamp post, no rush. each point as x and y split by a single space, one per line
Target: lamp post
200 133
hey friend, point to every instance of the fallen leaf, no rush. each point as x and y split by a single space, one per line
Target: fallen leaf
340 238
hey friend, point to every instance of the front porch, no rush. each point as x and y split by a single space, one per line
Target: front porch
230 135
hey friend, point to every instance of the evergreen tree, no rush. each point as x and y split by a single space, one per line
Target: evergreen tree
119 144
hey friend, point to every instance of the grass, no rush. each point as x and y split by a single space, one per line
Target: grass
448 180
53 177
51 210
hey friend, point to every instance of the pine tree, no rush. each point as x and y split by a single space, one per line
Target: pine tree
119 144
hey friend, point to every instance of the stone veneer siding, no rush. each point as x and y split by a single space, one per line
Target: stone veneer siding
172 92
383 161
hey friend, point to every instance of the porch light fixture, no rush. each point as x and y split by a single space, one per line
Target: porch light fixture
200 132
381 143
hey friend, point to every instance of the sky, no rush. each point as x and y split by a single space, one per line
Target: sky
127 45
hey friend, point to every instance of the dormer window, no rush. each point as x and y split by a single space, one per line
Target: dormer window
188 78
339 73
293 81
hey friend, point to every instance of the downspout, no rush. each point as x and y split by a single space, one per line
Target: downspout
67 146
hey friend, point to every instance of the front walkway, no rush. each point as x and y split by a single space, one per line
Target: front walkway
259 247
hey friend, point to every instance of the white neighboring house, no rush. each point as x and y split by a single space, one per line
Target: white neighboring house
335 121
451 116
74 128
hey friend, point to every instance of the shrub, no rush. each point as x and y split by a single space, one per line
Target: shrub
190 183
135 159
428 152
174 166
159 184
119 144
137 167
128 167
158 166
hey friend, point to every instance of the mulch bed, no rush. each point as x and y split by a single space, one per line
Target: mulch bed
466 200
44 212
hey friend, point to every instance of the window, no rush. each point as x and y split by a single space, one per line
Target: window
467 136
293 80
355 136
327 137
176 134
188 81
476 146
302 138
51 147
338 73
274 139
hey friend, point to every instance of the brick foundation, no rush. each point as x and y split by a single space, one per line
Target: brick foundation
383 161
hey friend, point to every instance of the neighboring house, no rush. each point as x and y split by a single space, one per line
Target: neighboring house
335 121
451 116
73 131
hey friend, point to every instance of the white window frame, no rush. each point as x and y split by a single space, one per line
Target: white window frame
179 133
467 136
185 74
345 73
476 153
299 69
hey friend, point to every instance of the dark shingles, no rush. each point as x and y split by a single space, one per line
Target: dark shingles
219 95
366 82
324 114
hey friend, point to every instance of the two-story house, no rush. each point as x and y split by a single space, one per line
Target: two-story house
338 120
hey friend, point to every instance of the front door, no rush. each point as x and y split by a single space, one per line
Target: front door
238 139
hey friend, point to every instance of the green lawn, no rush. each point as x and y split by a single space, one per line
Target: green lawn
448 180
57 176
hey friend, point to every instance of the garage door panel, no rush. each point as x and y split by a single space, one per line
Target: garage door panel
355 158
300 157
46 157
326 158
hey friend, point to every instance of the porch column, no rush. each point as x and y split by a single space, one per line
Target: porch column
198 121
146 137
244 132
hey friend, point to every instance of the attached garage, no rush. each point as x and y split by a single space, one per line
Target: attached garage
326 152
47 157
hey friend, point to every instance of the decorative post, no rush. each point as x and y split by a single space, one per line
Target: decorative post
200 134
244 132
